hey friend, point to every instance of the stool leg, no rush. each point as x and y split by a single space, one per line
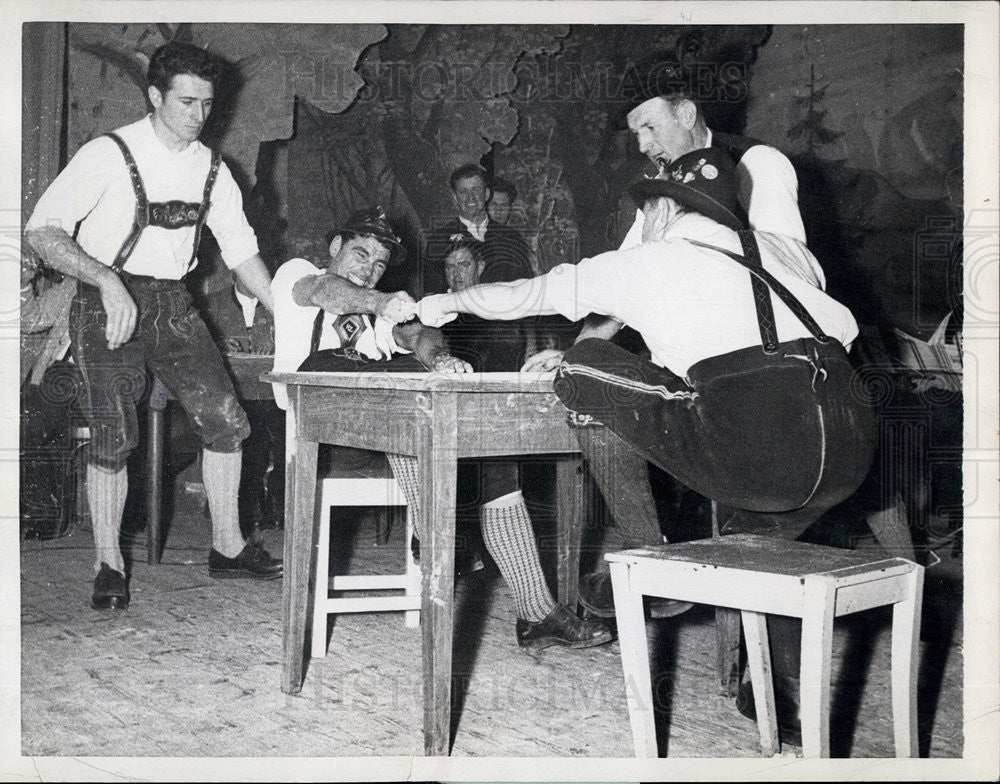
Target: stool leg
635 661
817 655
413 577
321 593
759 659
905 644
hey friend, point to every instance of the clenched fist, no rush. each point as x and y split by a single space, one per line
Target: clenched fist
543 361
397 307
435 310
446 363
120 309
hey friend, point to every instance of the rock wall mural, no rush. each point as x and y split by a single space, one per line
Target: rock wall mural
872 117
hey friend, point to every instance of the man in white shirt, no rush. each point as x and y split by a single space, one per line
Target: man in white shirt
747 398
334 320
124 217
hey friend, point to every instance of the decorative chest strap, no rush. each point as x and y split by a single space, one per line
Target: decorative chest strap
166 215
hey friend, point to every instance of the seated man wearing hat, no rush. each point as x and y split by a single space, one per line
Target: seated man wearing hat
666 112
336 321
747 398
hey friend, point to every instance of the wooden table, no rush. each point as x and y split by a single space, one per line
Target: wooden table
438 418
246 371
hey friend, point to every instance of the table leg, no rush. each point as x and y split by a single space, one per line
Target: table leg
905 643
815 670
569 525
727 635
154 486
437 465
300 532
635 661
759 659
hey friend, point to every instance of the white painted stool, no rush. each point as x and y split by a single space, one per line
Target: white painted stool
355 488
759 575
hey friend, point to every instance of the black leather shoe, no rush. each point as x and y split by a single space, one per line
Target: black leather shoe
253 562
786 705
110 590
561 627
597 597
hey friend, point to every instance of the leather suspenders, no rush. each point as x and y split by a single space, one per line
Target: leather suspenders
763 283
143 208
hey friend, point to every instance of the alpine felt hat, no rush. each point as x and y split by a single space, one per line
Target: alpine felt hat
702 180
372 222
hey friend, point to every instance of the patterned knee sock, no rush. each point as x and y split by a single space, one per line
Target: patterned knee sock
220 471
510 540
404 468
106 493
623 478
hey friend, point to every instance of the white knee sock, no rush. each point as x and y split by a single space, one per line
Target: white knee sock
220 472
106 493
510 540
404 468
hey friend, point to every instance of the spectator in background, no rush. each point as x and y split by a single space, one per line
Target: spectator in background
502 200
505 249
494 485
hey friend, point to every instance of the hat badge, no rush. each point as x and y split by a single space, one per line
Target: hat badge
709 172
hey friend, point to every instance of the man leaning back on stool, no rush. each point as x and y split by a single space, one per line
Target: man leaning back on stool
747 399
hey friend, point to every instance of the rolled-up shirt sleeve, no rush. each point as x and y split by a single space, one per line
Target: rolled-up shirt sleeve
78 187
237 241
577 290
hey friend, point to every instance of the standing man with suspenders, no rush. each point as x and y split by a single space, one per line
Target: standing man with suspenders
125 217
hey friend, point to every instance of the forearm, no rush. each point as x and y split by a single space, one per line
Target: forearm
62 253
502 301
603 327
338 295
530 341
255 278
427 344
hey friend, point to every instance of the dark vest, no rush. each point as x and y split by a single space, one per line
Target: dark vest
167 214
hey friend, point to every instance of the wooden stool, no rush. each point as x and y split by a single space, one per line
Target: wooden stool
758 575
359 488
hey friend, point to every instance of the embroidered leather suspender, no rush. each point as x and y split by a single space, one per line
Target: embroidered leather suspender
169 215
763 282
